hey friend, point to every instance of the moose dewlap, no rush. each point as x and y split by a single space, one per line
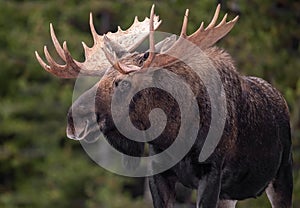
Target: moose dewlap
183 92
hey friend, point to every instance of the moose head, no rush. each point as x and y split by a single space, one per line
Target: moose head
121 69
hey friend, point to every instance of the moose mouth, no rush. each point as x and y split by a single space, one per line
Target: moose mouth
89 132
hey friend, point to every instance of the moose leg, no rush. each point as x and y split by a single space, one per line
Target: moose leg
227 203
280 189
162 189
209 189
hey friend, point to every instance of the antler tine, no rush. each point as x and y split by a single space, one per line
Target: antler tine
93 30
201 26
235 19
215 18
50 59
184 24
70 61
151 39
151 35
40 60
56 43
223 21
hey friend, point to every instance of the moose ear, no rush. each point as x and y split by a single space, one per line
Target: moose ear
159 76
113 49
165 44
156 74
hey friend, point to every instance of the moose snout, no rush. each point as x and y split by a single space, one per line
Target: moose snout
71 132
81 125
77 126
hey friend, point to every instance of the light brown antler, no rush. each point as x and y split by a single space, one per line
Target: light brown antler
203 37
127 69
151 40
96 63
207 37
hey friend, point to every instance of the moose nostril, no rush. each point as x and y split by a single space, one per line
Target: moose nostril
70 118
70 127
70 131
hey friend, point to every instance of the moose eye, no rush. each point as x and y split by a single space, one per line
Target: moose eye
146 55
123 85
143 58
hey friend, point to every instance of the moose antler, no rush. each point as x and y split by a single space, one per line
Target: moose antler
96 62
113 59
207 37
203 37
151 40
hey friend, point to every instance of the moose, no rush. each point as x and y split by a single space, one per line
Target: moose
253 153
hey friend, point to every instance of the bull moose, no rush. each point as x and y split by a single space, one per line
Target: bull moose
253 153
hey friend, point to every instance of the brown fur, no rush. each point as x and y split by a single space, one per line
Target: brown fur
255 148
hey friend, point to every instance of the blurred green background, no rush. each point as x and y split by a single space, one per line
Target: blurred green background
40 167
